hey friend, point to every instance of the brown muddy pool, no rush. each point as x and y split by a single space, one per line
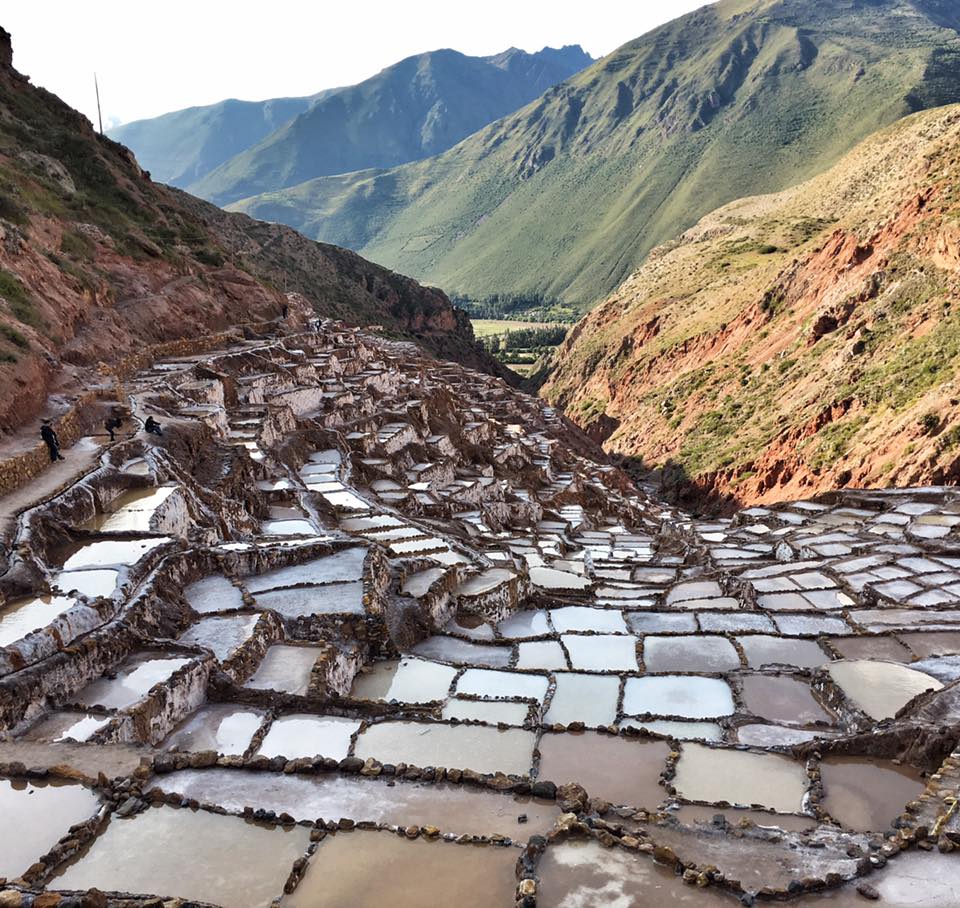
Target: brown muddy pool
866 795
780 698
619 770
366 869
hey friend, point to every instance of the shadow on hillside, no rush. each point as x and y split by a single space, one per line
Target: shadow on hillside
672 483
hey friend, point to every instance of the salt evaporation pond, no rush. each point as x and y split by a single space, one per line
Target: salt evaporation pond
865 794
583 874
34 816
131 682
189 854
762 650
451 808
550 579
220 727
601 652
67 726
407 681
491 711
525 624
343 566
740 777
23 616
301 602
90 583
481 682
622 771
223 635
584 618
285 668
213 594
678 695
880 689
591 699
689 654
477 747
105 553
308 736
349 869
782 699
450 649
541 654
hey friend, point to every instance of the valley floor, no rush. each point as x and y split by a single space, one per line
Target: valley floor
360 626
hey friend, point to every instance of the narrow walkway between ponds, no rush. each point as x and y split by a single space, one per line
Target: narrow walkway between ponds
78 461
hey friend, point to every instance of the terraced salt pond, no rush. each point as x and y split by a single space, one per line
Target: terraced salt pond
308 736
681 696
452 587
22 616
451 808
408 680
193 855
285 668
34 816
740 777
220 727
132 681
614 769
867 795
347 869
477 747
880 689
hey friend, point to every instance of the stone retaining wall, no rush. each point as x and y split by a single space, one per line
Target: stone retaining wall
20 469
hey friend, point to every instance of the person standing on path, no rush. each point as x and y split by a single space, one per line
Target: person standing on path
111 425
51 440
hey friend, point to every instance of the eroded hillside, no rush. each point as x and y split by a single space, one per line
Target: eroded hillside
792 343
96 261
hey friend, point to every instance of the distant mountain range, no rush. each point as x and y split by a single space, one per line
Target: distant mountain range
418 107
564 198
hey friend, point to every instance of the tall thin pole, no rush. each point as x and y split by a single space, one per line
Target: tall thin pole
96 87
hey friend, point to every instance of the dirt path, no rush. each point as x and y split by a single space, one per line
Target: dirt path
78 460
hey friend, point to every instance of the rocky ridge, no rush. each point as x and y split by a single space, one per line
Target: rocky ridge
97 262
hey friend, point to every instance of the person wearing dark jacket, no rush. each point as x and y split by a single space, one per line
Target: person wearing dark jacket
111 425
51 440
152 426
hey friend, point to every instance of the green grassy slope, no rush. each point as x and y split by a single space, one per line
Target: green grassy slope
419 107
565 197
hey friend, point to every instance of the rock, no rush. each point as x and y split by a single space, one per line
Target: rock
371 767
868 892
544 789
47 900
94 898
10 898
527 887
351 764
129 807
572 797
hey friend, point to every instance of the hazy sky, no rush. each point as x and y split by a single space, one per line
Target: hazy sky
156 57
